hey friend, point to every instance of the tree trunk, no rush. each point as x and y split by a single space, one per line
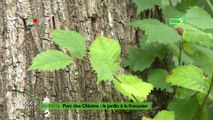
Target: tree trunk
20 42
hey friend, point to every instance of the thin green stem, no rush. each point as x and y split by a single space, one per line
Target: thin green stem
179 64
210 5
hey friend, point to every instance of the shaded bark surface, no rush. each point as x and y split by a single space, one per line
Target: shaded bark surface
19 43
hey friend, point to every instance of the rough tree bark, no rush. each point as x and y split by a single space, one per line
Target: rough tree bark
19 43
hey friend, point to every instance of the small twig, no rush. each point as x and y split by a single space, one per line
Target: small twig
53 20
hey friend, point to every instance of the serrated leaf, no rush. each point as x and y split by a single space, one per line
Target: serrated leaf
192 34
158 50
199 18
186 4
144 4
139 59
133 86
184 108
105 57
170 12
163 115
190 77
71 40
157 31
156 77
50 60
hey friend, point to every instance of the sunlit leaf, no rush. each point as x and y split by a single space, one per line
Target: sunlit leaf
50 60
71 40
105 57
133 87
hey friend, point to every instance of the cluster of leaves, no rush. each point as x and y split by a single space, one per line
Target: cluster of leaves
192 55
104 58
190 68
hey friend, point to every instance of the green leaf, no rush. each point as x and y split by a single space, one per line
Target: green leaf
170 12
192 34
158 50
207 43
186 59
186 4
144 4
162 115
201 56
203 115
139 59
198 17
50 60
157 31
71 40
190 77
205 51
105 57
209 111
189 48
184 108
165 115
145 118
209 31
156 77
133 86
182 93
203 62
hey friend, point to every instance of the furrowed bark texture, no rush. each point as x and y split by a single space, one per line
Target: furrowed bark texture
19 43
